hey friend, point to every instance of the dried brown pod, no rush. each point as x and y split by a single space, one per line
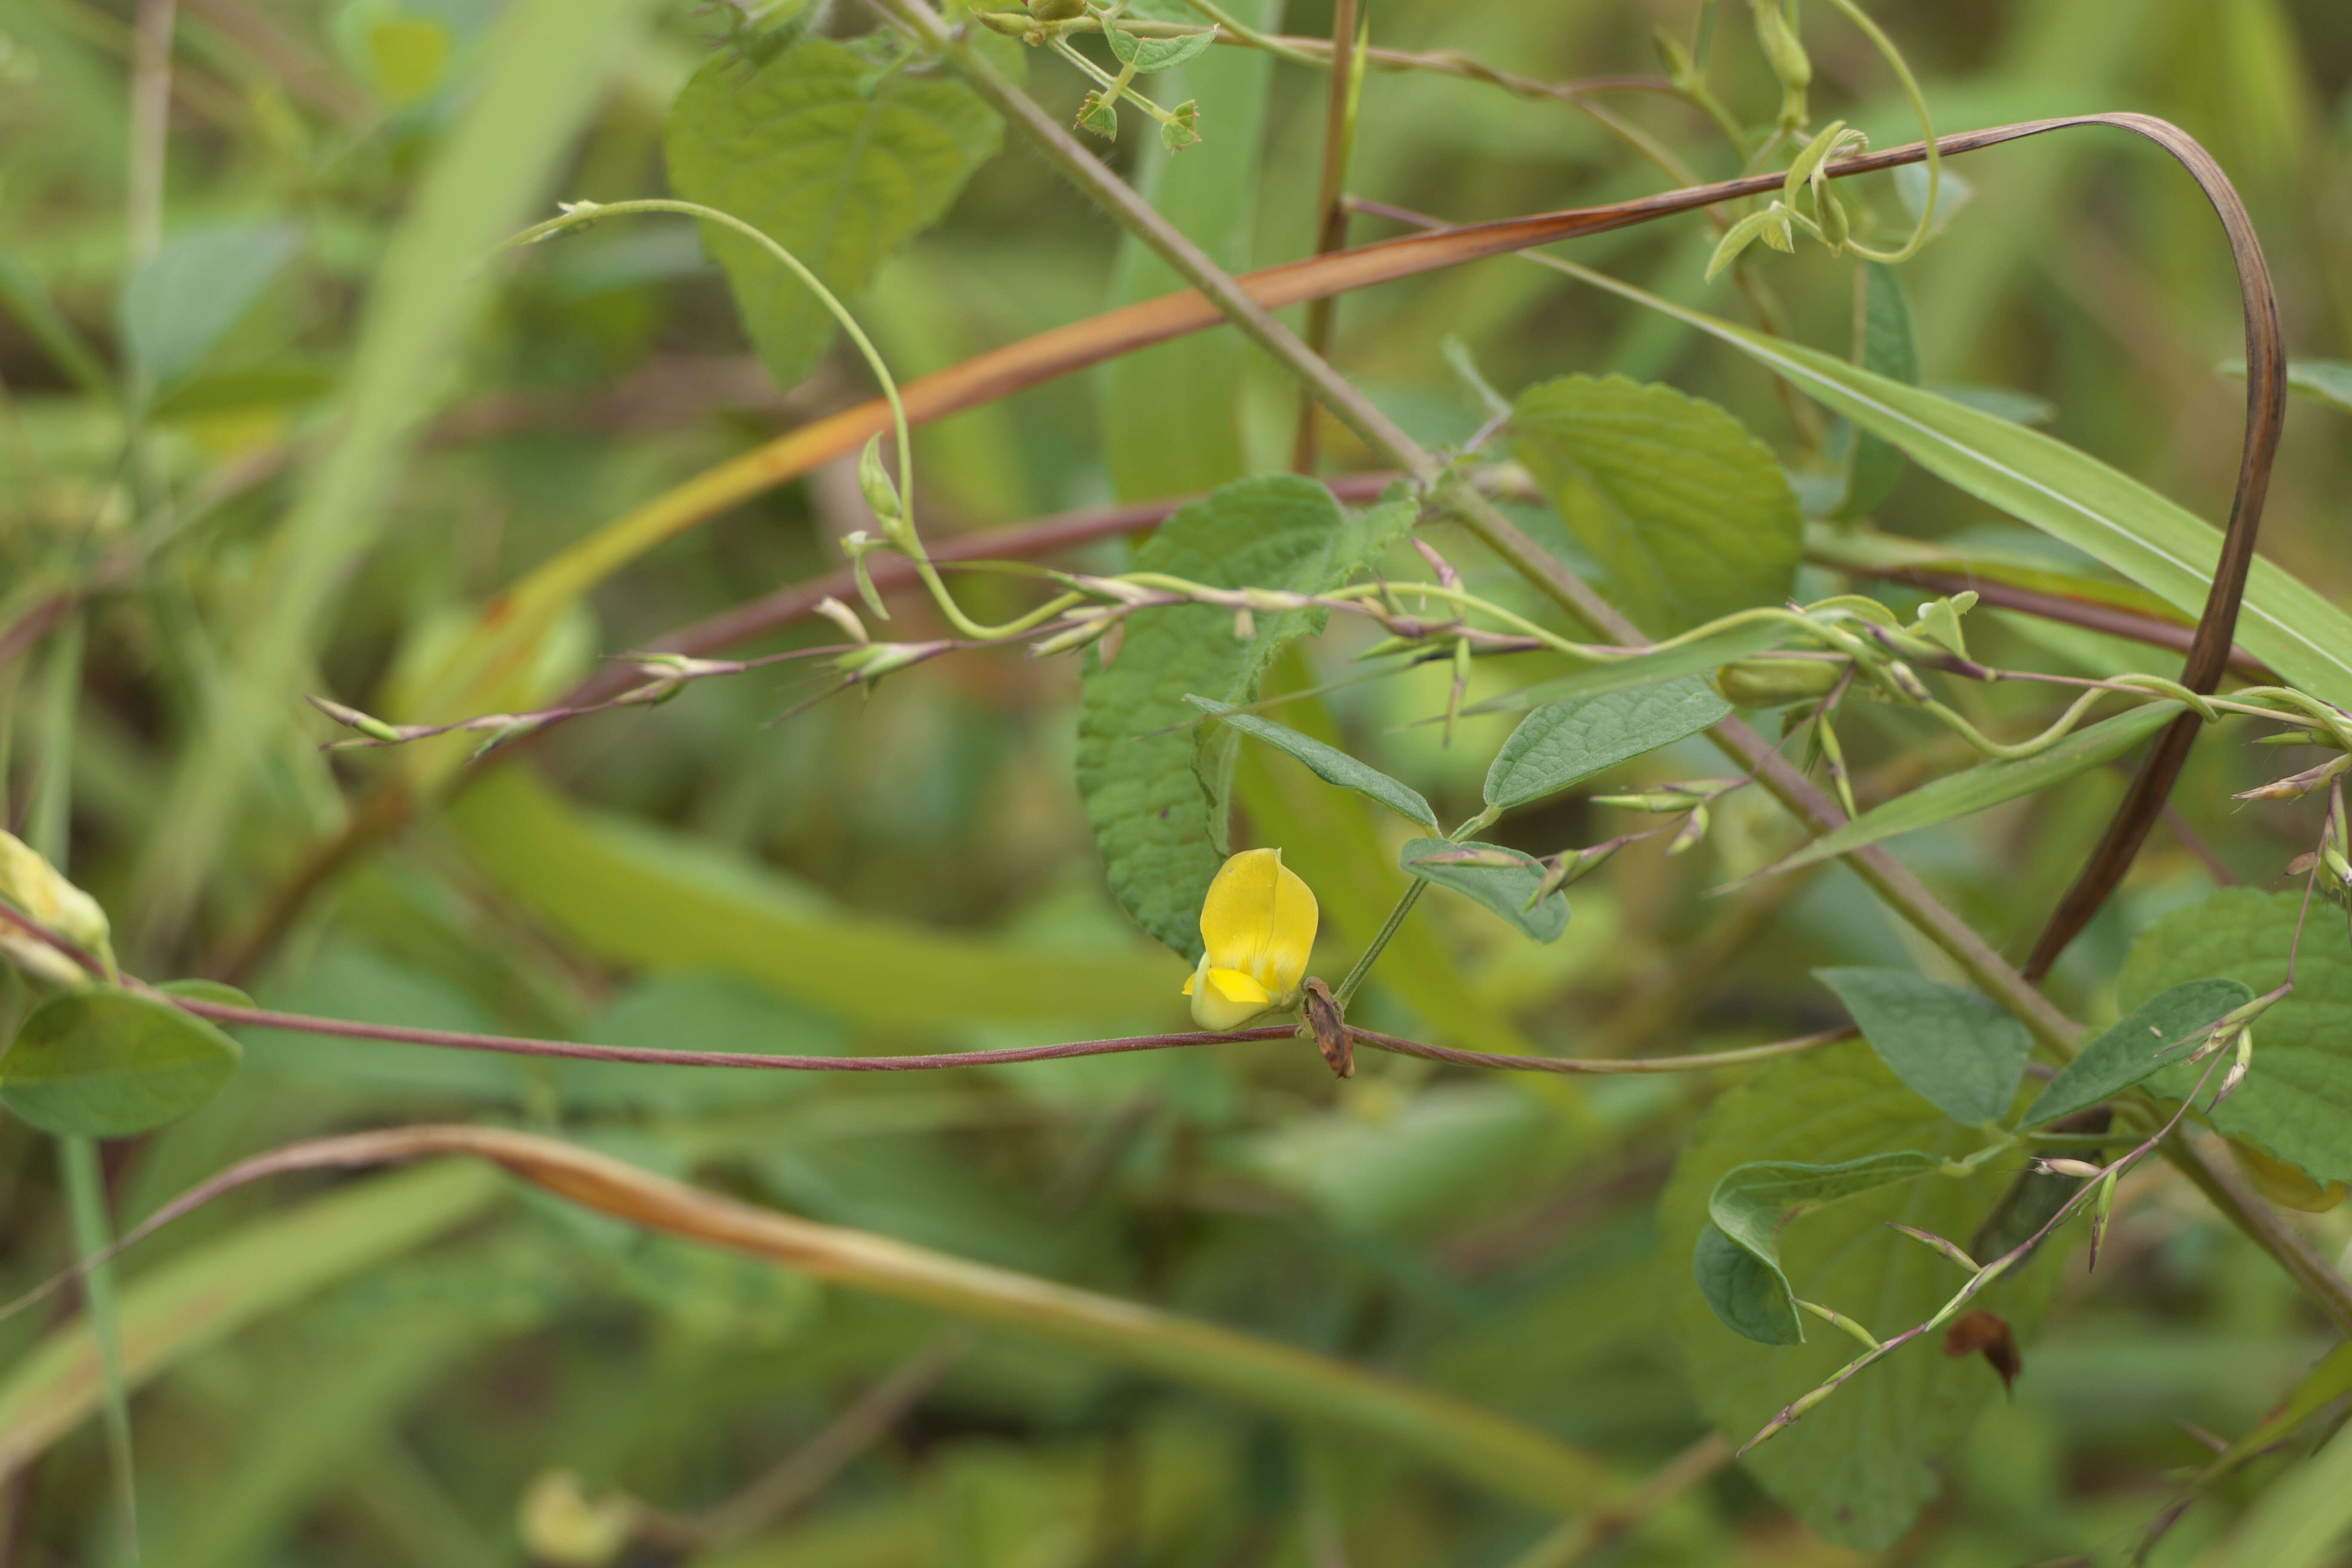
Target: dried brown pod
1987 1333
1327 1022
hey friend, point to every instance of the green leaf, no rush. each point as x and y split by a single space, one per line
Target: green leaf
176 309
1642 669
1889 347
1736 1260
107 1064
1690 515
1956 1049
1502 879
201 1295
651 899
1861 1464
1326 763
2067 493
1987 784
839 179
1156 790
2296 1101
1148 55
2159 1032
1564 743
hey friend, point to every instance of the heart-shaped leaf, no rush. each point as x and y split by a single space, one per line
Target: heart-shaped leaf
1148 55
1502 879
1737 1260
108 1064
1956 1047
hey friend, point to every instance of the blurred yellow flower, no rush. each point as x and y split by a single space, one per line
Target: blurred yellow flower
1256 927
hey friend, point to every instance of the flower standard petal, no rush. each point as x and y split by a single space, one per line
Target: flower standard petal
1238 912
1292 934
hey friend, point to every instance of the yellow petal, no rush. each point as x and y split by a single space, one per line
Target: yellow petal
1227 999
1235 986
1292 937
1238 914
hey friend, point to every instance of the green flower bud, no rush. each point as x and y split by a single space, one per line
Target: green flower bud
1058 10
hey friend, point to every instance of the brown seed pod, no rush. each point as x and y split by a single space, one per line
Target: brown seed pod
1329 1024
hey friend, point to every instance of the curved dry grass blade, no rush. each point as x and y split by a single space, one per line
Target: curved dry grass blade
2209 651
1489 1450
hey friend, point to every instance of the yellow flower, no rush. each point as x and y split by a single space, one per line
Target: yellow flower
1256 926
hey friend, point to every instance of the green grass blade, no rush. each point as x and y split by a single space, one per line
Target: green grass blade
203 1296
1987 784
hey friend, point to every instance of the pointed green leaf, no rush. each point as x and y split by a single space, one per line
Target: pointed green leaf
1642 669
1956 1049
1148 55
176 309
1691 516
107 1064
838 178
1737 1261
1563 743
2070 494
1155 785
1988 785
2158 1033
1502 879
1326 763
2296 1101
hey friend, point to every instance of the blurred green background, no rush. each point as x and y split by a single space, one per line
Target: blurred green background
912 870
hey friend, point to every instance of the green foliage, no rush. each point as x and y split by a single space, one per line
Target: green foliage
179 306
1326 763
1858 1468
1564 743
1155 783
1700 654
2296 1101
1891 348
838 175
1130 1304
181 1307
1956 1047
2068 494
1737 1261
107 1064
1504 880
1990 784
1688 514
2159 1032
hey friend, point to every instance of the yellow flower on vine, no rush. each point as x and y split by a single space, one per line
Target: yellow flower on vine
1256 926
